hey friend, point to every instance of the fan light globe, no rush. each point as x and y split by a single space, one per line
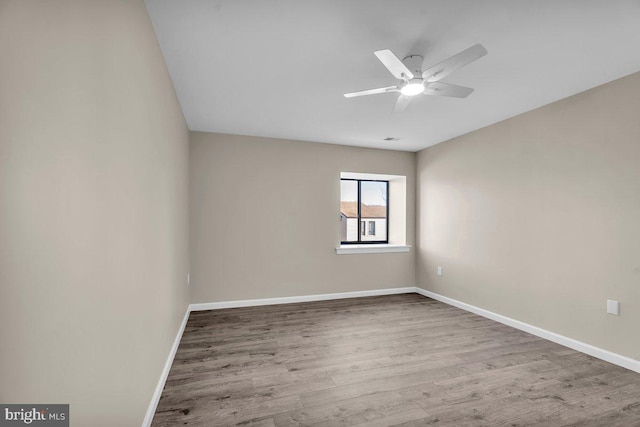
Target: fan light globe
412 89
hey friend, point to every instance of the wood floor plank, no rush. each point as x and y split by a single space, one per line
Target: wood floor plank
395 370
396 360
374 385
345 367
382 408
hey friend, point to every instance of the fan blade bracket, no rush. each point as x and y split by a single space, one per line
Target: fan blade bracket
432 77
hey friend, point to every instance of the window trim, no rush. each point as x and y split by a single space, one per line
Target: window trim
371 249
368 242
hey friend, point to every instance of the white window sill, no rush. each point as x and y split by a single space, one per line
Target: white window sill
370 249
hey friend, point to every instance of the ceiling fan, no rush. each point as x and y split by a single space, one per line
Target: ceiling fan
415 81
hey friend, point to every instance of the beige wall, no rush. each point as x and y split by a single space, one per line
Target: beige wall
538 217
93 208
535 218
265 219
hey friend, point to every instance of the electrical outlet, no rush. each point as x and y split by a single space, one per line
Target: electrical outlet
439 271
613 307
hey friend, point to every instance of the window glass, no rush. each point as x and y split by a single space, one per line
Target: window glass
349 210
373 209
363 211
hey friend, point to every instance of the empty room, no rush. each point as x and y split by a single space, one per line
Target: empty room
319 213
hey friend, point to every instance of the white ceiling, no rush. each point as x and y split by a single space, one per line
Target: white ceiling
279 68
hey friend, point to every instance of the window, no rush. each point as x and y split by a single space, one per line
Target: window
364 211
390 231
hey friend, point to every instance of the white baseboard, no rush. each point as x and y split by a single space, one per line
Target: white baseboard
303 298
616 359
151 410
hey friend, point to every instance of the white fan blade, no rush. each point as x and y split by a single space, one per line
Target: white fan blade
450 65
394 65
401 103
371 91
446 89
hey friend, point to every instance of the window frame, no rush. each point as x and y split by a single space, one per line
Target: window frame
359 203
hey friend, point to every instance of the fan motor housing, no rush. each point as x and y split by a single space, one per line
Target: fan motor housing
414 64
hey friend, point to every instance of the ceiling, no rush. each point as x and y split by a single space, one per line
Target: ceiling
279 68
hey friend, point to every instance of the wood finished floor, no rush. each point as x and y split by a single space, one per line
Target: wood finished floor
399 360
